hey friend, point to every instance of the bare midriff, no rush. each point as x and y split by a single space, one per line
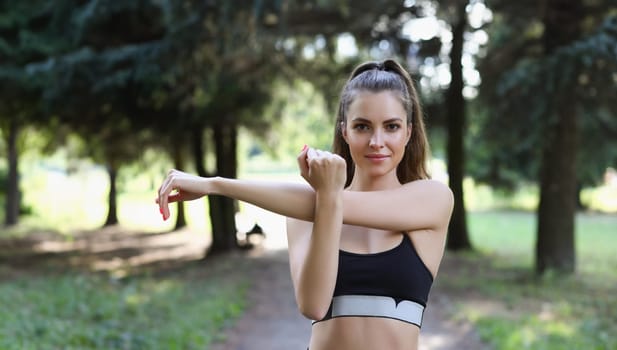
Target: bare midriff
364 333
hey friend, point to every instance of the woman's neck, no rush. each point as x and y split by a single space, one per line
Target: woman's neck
361 182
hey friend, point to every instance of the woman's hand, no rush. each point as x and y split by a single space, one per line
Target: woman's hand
323 170
187 187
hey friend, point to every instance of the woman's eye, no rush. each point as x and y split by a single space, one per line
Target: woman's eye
361 127
393 127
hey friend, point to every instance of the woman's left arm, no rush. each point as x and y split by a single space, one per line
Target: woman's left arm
421 204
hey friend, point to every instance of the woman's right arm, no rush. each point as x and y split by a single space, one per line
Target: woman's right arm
313 256
313 248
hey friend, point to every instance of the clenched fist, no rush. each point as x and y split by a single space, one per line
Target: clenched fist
323 170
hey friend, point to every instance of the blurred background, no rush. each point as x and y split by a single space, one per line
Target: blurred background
100 98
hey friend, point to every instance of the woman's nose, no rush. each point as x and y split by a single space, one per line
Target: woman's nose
376 141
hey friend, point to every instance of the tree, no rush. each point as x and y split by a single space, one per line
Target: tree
14 116
92 87
543 98
29 31
221 67
458 237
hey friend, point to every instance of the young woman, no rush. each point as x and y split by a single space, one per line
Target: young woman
367 233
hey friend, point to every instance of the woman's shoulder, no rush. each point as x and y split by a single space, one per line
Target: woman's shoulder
429 185
432 190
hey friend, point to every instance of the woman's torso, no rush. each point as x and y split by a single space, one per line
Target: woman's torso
363 333
360 333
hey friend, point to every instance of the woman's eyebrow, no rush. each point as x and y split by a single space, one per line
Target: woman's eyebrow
364 120
392 120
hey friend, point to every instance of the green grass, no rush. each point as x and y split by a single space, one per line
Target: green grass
183 310
519 310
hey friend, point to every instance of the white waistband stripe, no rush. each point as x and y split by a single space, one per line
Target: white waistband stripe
377 306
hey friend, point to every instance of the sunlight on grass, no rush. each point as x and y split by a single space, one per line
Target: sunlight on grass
603 198
483 197
512 309
68 202
138 211
530 332
62 201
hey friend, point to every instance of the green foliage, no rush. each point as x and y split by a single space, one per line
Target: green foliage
303 119
31 30
523 84
79 311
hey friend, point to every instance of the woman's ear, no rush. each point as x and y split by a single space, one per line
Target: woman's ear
344 131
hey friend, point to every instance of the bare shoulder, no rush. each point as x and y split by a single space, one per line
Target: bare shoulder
433 188
434 196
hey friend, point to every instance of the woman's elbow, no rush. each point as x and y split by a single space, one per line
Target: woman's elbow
313 311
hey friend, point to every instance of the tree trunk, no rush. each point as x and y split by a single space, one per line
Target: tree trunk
179 164
199 154
112 213
223 209
458 237
13 195
556 213
221 222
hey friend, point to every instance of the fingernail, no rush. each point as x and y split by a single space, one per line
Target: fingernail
304 147
161 210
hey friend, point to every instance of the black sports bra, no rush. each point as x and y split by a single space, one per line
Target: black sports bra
391 284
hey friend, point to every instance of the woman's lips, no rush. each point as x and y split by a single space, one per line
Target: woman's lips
377 157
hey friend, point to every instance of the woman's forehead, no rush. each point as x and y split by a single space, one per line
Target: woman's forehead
381 105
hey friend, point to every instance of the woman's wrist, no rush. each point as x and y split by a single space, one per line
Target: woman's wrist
213 185
325 197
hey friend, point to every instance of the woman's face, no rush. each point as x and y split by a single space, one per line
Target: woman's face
377 132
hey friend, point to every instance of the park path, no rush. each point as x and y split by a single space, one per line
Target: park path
272 321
